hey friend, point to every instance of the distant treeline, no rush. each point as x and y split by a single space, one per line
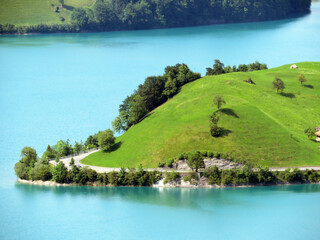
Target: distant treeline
110 15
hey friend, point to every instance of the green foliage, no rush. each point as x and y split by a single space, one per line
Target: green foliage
26 163
218 101
291 175
213 174
59 173
41 171
301 78
79 17
309 132
278 84
218 68
172 177
161 164
106 140
92 141
192 177
72 162
49 153
170 162
195 161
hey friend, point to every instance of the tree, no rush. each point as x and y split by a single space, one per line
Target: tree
215 130
106 140
79 17
218 101
309 132
301 78
195 161
218 68
71 162
278 84
49 153
77 147
57 159
170 88
29 156
137 109
41 171
59 173
117 124
92 141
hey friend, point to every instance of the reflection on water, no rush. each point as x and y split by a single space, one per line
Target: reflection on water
172 197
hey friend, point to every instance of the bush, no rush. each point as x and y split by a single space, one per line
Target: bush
213 174
195 161
172 177
191 177
215 130
59 173
161 164
170 162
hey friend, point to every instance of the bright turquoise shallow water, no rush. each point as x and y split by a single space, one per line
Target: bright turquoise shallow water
70 85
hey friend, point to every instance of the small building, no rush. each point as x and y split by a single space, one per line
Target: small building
293 66
318 135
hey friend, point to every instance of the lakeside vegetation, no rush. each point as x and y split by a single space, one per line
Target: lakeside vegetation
35 16
32 168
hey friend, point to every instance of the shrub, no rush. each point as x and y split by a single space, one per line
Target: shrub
172 177
106 140
192 176
195 161
213 174
170 162
215 130
161 164
210 154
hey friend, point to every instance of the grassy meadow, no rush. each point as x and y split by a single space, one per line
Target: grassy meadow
29 12
264 127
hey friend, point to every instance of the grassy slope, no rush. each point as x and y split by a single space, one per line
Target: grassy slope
267 128
28 12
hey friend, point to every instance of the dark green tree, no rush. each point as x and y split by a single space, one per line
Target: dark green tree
106 140
195 161
59 173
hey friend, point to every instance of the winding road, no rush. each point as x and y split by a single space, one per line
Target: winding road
79 157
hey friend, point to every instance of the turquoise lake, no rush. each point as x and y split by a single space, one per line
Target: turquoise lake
64 86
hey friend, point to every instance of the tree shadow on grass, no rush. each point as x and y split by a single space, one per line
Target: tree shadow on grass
229 112
224 133
288 95
308 86
116 146
70 8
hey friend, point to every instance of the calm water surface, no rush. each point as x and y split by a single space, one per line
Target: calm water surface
70 85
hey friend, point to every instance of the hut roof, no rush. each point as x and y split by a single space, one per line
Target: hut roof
293 66
317 133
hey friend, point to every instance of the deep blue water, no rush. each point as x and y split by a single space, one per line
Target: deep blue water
70 85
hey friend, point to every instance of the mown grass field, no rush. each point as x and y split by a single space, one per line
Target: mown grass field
29 12
266 128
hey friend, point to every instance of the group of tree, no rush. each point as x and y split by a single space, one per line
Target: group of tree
103 139
249 175
279 85
219 68
152 93
108 15
30 167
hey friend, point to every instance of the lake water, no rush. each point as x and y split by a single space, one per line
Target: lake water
63 86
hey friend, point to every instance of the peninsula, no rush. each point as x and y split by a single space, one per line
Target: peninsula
237 126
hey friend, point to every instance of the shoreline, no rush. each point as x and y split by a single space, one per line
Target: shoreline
159 184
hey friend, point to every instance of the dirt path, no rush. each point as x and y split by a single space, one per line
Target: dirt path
79 157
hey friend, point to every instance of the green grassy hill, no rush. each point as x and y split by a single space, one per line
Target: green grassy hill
29 12
266 128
